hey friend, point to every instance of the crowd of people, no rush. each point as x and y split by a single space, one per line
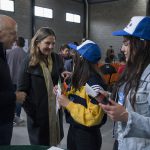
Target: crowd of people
34 81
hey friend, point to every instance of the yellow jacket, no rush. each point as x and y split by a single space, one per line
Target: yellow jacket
82 109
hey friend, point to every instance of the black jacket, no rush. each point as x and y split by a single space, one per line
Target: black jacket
32 82
7 95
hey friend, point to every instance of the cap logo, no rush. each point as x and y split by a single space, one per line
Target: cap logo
131 27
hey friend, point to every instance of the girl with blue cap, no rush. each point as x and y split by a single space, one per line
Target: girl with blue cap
131 108
83 113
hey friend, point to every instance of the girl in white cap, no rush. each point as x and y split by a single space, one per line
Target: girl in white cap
131 109
83 113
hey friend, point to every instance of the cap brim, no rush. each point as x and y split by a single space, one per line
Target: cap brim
120 33
72 46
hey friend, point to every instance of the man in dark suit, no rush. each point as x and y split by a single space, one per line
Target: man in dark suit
8 35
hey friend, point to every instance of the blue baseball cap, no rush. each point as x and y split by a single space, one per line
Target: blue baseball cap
88 50
139 26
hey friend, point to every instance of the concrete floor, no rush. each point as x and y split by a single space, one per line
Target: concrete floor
20 135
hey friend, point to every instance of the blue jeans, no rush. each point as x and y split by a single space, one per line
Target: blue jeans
18 109
18 105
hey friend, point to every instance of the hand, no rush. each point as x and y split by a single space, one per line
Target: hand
66 75
20 96
63 100
55 88
106 93
115 111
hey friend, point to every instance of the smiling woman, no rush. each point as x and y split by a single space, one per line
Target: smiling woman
46 46
40 73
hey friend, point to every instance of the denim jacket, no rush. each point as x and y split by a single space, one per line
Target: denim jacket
135 134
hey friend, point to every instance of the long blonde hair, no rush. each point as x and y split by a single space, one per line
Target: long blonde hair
35 54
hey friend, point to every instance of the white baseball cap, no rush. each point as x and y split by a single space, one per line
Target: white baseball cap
139 26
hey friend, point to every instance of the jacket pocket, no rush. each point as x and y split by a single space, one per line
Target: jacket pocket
142 105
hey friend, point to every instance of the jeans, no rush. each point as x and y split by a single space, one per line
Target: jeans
18 105
18 109
115 147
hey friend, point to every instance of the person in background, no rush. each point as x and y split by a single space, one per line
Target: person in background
131 108
64 52
108 69
39 74
68 66
110 55
82 111
15 57
122 62
8 35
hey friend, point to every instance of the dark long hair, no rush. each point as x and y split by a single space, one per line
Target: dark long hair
83 69
138 60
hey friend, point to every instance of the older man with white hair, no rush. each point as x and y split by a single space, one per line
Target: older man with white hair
8 34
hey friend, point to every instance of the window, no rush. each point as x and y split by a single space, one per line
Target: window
7 5
73 18
43 12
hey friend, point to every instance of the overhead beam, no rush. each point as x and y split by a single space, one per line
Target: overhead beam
86 20
78 1
148 8
32 18
101 1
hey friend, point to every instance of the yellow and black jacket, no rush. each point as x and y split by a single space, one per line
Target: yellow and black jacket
83 111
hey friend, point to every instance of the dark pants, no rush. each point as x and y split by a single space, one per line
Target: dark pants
6 133
115 147
38 131
79 139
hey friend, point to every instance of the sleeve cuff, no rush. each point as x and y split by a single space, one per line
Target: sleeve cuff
127 125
